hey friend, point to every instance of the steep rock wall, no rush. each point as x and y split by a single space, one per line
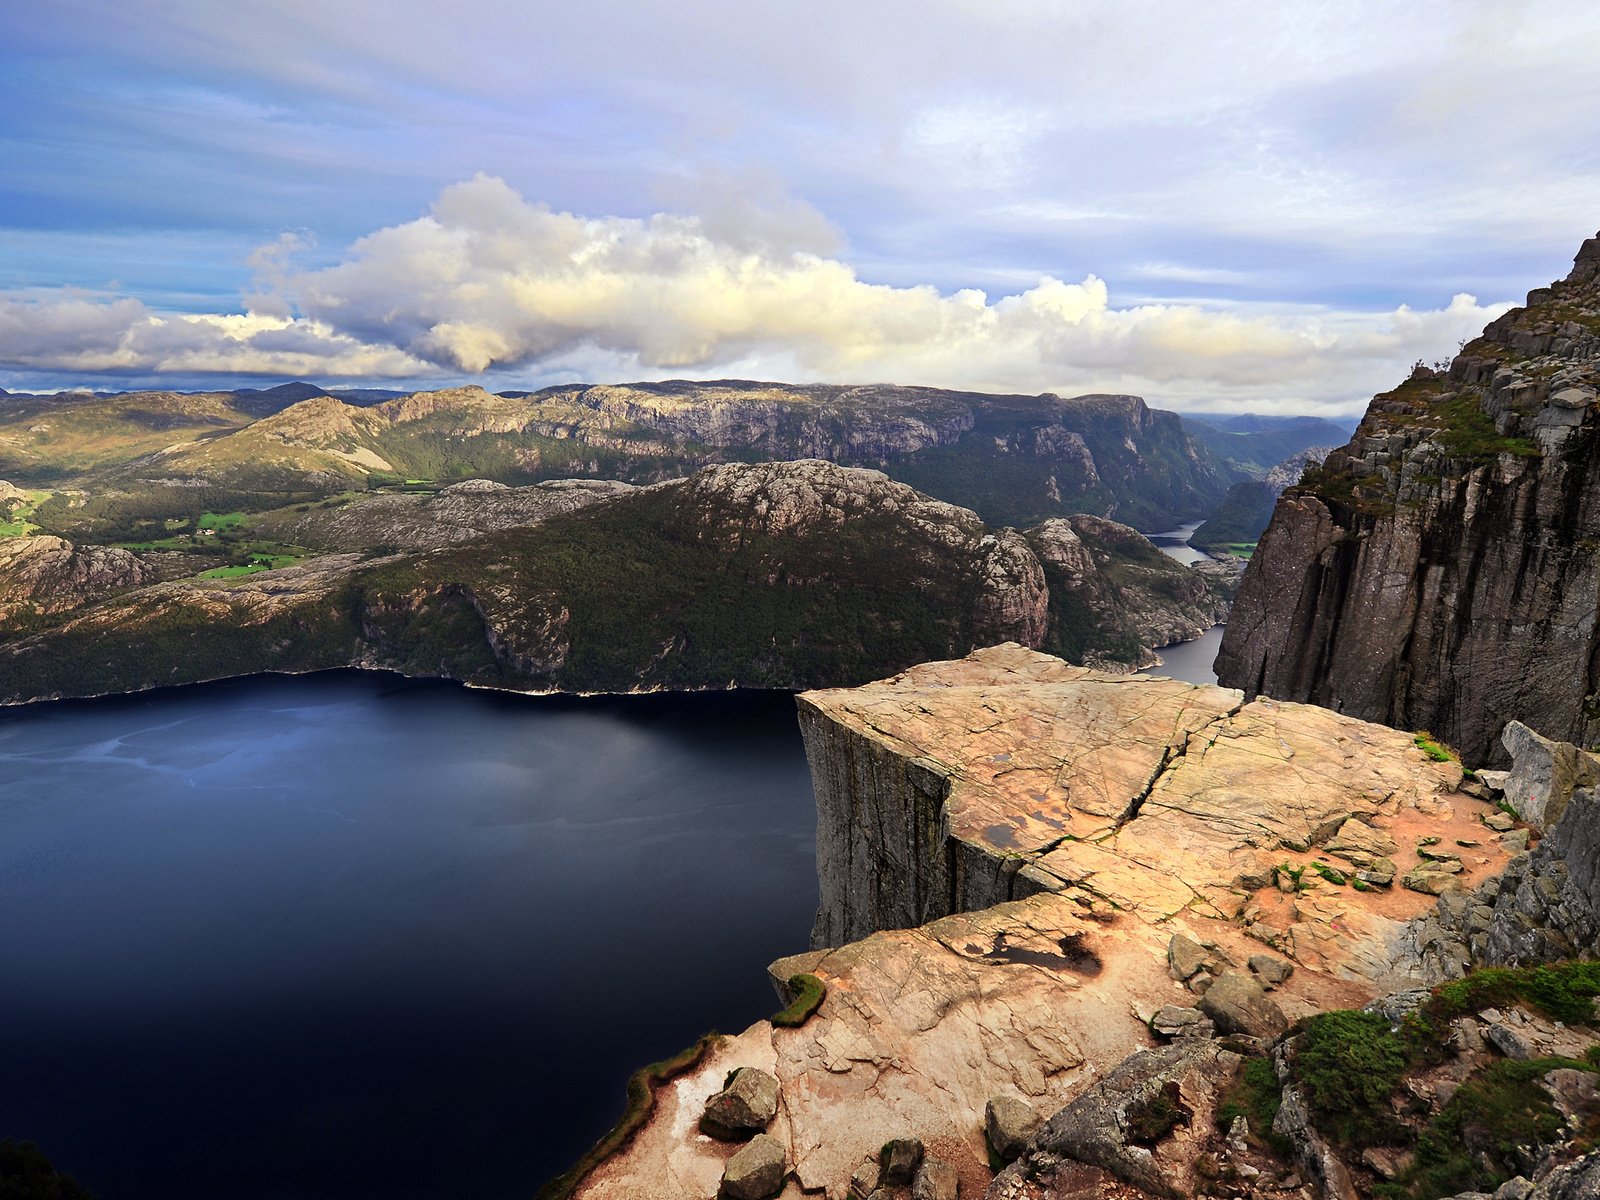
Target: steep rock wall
1440 571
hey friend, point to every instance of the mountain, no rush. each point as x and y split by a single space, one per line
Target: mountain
1016 460
761 575
1441 570
1250 444
1246 511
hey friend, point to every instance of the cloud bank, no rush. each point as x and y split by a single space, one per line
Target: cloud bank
490 284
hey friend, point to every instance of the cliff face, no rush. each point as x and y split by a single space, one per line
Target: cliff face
959 785
1137 858
40 575
1440 570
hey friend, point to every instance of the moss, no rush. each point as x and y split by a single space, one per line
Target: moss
642 1087
1156 1115
1332 874
1255 1095
808 993
1350 1063
1433 748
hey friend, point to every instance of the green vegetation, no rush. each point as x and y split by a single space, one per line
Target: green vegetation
1433 748
642 1087
1483 1136
1351 1064
18 521
1295 875
1562 991
1466 431
1240 520
1332 874
219 521
808 993
1256 1095
26 1174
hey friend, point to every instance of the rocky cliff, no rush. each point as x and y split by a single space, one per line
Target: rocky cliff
1068 918
1440 570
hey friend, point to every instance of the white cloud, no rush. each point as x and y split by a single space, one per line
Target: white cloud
489 282
93 335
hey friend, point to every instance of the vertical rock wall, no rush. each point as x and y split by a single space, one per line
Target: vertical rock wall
1442 571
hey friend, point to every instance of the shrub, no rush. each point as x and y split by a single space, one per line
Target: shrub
1351 1063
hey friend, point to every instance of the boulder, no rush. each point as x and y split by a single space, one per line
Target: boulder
1238 1004
1185 956
1008 1125
1271 971
756 1171
1138 1122
742 1109
1380 872
936 1180
1173 1021
864 1181
1356 841
1544 774
900 1160
1431 881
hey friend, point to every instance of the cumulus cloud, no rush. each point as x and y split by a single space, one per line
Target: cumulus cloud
489 282
92 336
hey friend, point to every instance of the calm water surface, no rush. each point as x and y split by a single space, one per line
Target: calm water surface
346 936
1188 661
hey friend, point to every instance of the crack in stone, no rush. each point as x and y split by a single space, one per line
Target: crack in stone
1169 757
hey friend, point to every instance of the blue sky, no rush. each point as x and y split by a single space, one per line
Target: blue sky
1222 205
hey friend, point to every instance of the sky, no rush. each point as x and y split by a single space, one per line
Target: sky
1219 207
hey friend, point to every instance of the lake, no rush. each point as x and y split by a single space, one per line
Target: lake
350 936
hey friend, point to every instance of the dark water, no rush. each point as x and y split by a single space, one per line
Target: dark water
346 936
1191 661
1188 661
1175 543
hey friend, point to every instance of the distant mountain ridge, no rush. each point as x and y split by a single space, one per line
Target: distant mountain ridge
1016 460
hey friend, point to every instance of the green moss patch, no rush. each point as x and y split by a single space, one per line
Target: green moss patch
642 1087
808 993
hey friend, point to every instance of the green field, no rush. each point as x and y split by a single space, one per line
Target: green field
19 524
223 521
261 562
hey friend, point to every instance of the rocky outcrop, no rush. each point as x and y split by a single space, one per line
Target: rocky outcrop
1440 571
425 521
44 574
1031 871
960 785
1114 596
